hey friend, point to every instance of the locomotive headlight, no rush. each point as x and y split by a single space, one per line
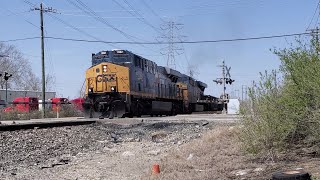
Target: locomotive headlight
104 68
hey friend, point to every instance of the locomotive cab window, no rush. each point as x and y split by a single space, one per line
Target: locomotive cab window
141 64
145 65
136 61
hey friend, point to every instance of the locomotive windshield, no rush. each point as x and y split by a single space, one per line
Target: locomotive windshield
100 57
120 56
116 56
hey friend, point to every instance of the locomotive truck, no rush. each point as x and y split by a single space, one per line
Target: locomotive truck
123 84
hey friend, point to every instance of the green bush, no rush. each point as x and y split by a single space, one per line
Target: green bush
284 114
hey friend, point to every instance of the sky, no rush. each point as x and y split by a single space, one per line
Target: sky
146 21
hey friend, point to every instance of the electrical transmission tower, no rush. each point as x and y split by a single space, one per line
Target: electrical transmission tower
315 38
171 35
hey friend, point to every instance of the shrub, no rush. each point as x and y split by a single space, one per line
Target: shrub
70 111
277 117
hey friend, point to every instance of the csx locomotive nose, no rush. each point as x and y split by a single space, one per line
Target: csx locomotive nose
106 83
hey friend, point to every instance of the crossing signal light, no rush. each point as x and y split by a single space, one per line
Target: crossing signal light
229 81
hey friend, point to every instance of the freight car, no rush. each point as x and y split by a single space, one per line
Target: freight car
121 83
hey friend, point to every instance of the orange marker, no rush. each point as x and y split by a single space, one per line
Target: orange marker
156 169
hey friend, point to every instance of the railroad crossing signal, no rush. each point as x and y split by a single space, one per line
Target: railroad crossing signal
226 79
228 71
218 81
229 81
6 78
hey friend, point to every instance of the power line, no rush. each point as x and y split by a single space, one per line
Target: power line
97 11
151 10
188 42
208 9
137 14
28 2
65 23
314 14
176 42
73 27
14 13
223 4
78 29
93 14
106 17
20 39
17 14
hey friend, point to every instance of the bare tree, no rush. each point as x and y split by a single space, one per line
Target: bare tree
30 82
50 82
82 90
23 78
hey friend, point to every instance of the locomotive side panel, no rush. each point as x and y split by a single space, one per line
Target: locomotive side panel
143 75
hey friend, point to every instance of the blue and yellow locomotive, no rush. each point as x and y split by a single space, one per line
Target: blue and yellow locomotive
121 83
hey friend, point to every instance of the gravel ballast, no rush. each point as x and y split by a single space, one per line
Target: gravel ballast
49 147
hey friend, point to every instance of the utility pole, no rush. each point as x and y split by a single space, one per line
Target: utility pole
252 98
275 80
41 10
42 64
237 93
244 92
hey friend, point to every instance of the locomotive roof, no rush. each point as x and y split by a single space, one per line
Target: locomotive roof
162 69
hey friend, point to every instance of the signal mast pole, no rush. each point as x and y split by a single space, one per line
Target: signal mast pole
224 80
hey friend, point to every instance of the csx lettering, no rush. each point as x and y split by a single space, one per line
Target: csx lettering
105 78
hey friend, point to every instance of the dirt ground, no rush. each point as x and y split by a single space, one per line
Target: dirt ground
184 150
217 155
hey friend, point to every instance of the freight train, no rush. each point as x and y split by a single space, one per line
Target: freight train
123 84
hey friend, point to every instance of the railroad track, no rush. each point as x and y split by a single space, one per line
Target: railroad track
43 123
47 123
